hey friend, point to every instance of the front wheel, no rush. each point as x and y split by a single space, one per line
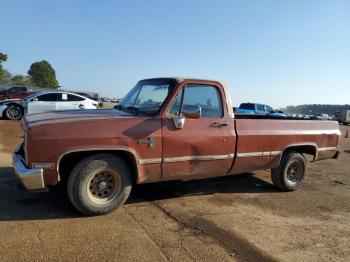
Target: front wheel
99 184
13 112
291 171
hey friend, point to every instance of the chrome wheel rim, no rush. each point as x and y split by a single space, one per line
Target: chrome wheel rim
295 172
13 112
104 186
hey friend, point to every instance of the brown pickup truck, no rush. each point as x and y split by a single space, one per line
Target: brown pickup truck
164 129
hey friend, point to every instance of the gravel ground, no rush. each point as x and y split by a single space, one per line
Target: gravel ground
237 218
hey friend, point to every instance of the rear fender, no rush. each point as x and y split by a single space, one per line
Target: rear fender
303 148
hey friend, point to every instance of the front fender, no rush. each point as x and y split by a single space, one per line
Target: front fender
2 110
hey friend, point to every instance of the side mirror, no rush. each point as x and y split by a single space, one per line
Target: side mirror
193 112
179 121
35 99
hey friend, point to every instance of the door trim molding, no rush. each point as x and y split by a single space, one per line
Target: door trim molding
258 154
184 158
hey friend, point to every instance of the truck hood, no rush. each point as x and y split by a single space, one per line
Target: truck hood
66 116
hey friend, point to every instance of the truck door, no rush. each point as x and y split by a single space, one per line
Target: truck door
202 147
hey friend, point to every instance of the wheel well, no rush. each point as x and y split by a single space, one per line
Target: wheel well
19 105
15 104
303 149
68 161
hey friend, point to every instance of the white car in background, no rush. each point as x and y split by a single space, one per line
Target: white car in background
14 109
56 100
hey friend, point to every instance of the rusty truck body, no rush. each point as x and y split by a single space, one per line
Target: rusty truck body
164 129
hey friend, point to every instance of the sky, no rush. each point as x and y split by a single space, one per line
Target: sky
269 51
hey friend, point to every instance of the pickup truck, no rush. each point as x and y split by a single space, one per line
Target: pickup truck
163 129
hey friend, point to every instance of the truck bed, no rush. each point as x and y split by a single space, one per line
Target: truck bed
262 140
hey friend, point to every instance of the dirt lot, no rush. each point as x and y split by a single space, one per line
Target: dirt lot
238 218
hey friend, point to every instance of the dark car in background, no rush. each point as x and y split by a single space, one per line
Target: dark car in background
10 91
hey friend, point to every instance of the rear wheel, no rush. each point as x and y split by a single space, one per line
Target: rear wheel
99 184
13 112
291 171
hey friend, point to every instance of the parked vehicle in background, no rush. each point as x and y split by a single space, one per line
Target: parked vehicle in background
115 100
258 109
106 99
92 96
11 109
14 109
164 129
343 117
10 91
56 100
322 117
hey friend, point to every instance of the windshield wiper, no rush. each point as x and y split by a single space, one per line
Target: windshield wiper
119 107
132 109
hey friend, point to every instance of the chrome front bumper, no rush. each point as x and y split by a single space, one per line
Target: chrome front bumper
32 179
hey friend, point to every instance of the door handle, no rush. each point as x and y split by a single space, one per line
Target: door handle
217 124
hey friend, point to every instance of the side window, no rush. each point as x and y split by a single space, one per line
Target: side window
260 108
52 97
208 98
75 98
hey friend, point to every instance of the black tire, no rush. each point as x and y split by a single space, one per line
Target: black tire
291 172
13 112
91 178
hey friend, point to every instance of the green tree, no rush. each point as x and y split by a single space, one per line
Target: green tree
43 75
6 76
22 80
3 58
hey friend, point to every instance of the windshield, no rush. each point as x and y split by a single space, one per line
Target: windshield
269 109
31 96
147 96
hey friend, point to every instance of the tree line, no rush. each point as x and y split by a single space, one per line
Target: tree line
40 74
316 109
